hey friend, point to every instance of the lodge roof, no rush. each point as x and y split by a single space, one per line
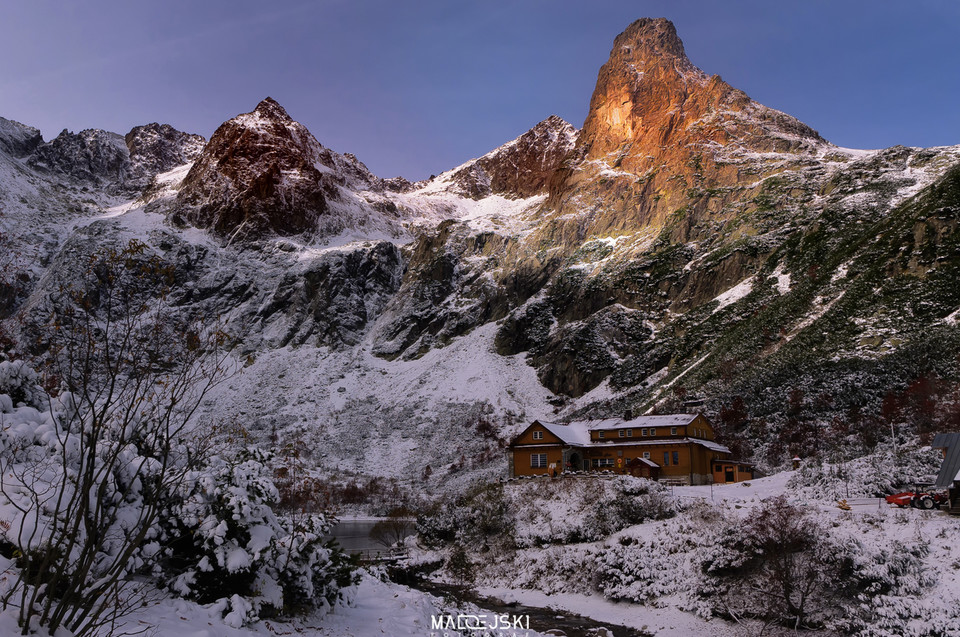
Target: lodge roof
570 434
950 469
577 434
662 420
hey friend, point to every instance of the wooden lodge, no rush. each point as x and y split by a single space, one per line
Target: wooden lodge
676 448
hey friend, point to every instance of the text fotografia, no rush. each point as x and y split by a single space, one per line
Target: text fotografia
439 624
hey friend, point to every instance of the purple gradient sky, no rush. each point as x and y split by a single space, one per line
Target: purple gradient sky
415 88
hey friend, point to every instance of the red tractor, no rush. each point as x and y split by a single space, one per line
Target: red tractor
918 499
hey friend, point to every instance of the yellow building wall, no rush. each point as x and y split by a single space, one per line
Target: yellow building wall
521 461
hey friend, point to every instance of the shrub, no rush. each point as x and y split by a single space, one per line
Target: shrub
231 543
786 565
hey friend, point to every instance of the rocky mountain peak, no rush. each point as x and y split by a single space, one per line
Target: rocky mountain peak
520 168
260 173
269 108
650 94
263 173
661 135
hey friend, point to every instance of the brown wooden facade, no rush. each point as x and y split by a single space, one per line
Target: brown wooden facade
674 448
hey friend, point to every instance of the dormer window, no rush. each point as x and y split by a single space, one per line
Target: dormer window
600 434
653 431
538 435
629 433
622 433
673 431
643 432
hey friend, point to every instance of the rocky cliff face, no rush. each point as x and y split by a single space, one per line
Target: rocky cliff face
92 156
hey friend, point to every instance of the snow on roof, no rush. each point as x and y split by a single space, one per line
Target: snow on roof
664 420
573 433
712 446
646 461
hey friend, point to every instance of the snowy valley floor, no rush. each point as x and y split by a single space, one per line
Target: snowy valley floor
375 607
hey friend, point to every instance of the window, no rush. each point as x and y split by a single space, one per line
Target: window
600 434
676 457
629 433
601 462
643 432
653 432
538 460
538 435
666 458
646 455
673 431
622 433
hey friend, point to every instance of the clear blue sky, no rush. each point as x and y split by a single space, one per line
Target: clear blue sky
416 87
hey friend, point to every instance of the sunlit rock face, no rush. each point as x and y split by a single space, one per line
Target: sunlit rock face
661 135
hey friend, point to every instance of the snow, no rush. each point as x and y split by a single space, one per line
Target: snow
375 607
662 621
953 318
783 279
734 294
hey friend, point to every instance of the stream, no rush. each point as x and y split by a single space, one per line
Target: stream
354 537
541 619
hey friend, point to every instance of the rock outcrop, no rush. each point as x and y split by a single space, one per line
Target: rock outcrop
521 168
18 139
92 156
157 148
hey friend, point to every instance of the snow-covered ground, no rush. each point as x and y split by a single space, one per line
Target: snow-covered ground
656 562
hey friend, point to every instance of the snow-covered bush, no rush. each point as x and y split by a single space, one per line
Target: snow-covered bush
880 473
788 565
229 541
584 510
543 511
643 569
480 516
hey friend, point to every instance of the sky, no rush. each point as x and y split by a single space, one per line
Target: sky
415 87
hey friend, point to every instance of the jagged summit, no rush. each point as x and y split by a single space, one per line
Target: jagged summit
650 93
270 108
654 41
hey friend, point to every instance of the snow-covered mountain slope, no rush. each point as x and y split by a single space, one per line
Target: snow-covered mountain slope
691 244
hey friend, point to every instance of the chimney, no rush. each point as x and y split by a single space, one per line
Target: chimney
628 414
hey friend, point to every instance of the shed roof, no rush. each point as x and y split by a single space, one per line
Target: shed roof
950 468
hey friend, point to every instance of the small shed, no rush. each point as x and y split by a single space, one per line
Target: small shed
644 468
949 476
